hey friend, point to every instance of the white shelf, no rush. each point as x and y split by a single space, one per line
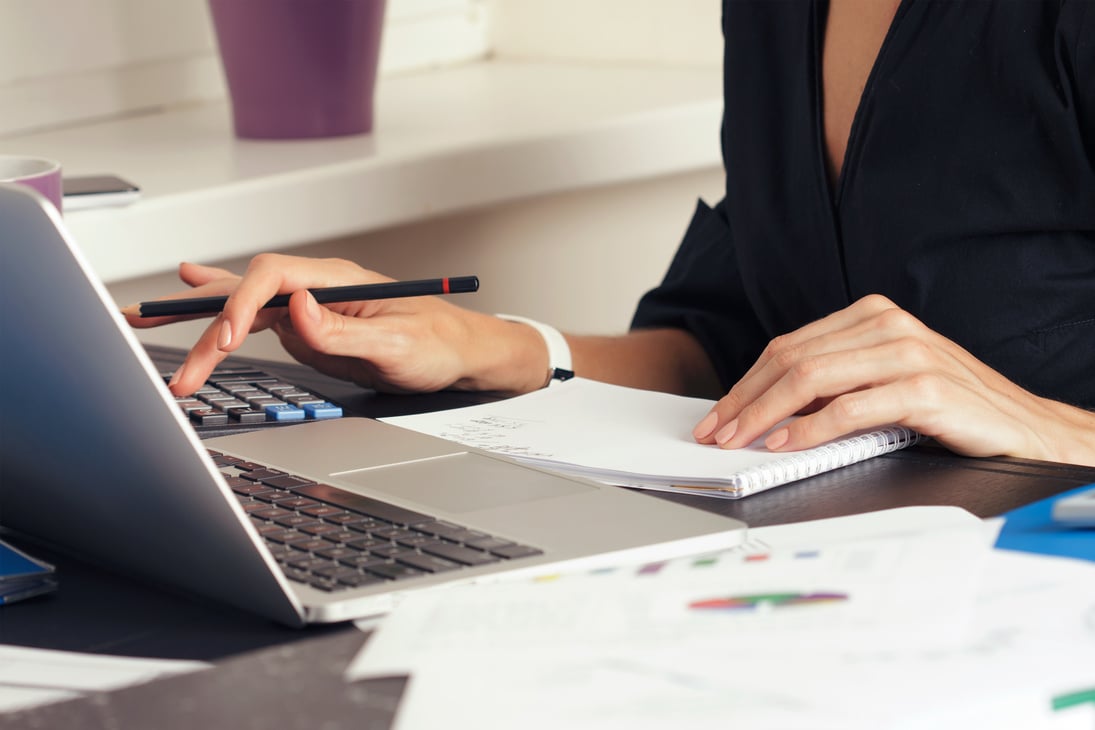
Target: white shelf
444 141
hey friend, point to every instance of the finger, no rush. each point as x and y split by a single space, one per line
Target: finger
784 356
198 274
271 274
859 312
816 380
932 404
203 358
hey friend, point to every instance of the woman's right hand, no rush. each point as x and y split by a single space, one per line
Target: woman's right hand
416 344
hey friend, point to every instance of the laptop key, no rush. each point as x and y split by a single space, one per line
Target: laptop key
335 570
348 519
307 562
415 540
323 584
360 579
342 536
275 496
364 505
321 510
286 481
337 553
299 521
365 543
310 544
292 501
257 475
251 488
393 533
489 543
447 530
458 553
318 528
512 552
428 563
300 576
287 536
394 571
272 513
360 560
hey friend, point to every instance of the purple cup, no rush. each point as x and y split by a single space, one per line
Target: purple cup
40 173
299 68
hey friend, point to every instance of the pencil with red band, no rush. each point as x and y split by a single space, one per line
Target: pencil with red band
325 295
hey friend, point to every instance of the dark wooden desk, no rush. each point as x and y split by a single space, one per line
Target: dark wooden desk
270 676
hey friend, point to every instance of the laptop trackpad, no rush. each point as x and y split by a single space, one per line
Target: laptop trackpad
460 483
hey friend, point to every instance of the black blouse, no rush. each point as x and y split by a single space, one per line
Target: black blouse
967 193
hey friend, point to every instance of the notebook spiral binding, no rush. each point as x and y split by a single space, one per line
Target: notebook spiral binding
823 458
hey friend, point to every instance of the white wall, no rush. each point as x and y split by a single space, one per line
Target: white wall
579 260
68 61
662 32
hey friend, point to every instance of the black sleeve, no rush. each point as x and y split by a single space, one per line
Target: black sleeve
703 295
1078 58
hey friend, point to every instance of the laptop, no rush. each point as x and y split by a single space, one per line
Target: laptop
251 519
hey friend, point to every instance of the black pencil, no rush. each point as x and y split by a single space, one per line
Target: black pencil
327 295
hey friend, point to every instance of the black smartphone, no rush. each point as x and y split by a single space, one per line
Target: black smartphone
92 191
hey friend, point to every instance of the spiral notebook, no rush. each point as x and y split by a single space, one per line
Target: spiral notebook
638 438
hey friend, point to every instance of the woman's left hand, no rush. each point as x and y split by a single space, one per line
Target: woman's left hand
874 364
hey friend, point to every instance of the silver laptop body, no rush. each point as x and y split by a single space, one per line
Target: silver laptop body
97 458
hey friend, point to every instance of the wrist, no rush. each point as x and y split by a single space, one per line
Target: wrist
559 364
500 355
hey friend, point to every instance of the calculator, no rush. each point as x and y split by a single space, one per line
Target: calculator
1077 509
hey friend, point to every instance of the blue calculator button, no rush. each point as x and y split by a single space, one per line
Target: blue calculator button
321 410
284 412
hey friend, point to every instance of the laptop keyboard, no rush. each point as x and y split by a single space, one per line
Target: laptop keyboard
332 539
249 397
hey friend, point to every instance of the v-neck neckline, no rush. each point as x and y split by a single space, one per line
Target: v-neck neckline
834 190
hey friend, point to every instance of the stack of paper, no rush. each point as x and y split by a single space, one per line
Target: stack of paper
32 677
903 618
22 576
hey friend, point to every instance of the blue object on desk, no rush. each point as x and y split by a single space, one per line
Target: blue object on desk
22 576
284 412
319 411
1032 529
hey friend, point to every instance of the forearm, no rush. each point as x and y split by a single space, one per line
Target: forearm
668 360
513 358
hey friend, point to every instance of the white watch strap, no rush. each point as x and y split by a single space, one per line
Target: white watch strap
559 365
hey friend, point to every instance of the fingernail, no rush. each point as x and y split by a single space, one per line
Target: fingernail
727 432
311 308
705 427
177 376
777 439
225 336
